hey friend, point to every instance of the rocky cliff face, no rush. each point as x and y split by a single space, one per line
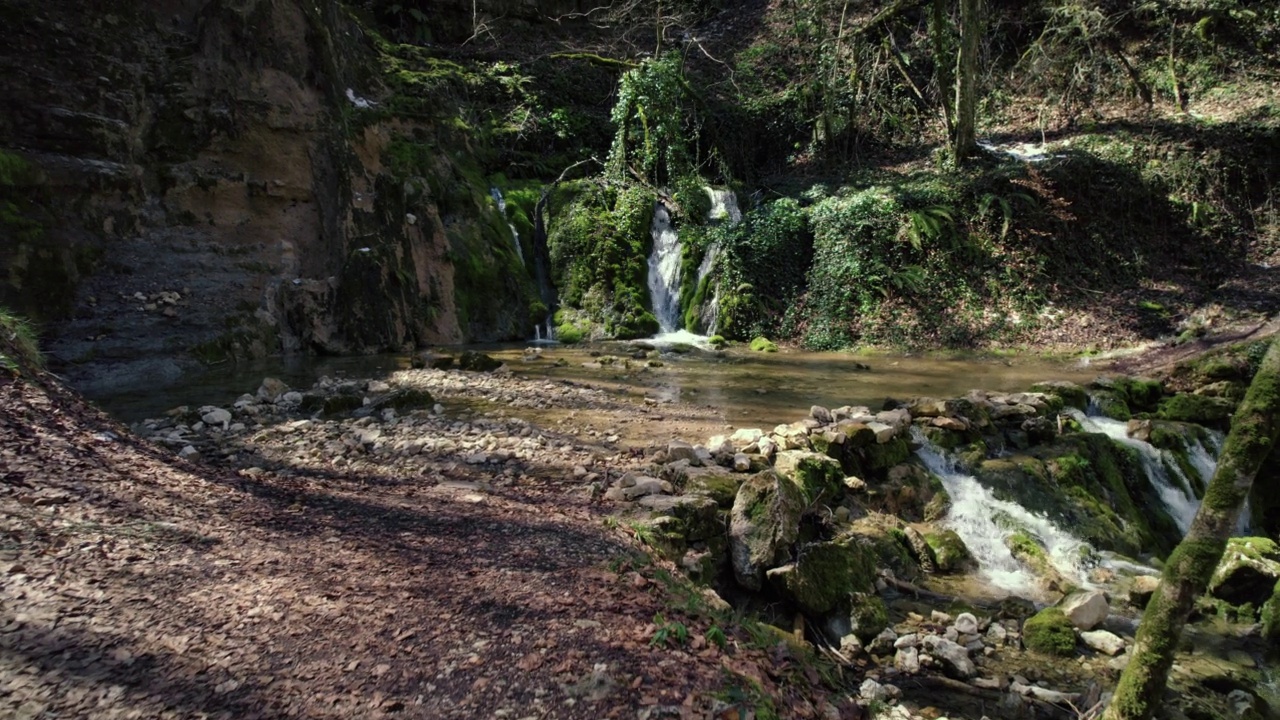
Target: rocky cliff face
209 179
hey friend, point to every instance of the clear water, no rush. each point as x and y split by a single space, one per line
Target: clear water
664 271
496 194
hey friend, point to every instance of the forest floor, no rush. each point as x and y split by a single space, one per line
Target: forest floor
135 584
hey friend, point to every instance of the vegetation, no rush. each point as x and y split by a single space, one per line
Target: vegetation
1255 430
1049 632
19 351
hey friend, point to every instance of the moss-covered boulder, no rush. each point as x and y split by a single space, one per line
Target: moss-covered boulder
950 553
1198 409
716 483
1049 632
825 574
478 362
883 535
764 522
1269 617
1141 394
410 398
868 616
882 456
1110 403
1248 571
763 344
818 476
1071 394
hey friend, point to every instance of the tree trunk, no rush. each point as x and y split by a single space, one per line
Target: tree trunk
1255 428
965 143
942 68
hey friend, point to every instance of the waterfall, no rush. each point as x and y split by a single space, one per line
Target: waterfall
976 515
1162 470
664 271
724 208
496 194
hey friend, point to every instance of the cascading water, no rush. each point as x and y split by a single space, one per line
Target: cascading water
496 194
665 264
1162 470
724 208
664 271
976 515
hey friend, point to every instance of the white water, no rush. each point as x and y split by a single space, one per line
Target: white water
496 194
973 515
1174 489
664 271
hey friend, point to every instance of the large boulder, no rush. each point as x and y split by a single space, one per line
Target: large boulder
478 362
824 574
1198 409
763 523
950 554
1085 609
718 483
1248 571
1049 632
818 476
953 657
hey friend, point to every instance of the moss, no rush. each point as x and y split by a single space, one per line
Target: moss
1269 615
763 344
1141 394
818 476
1199 409
882 456
1111 404
824 574
949 551
569 334
868 616
719 486
717 341
19 351
1049 632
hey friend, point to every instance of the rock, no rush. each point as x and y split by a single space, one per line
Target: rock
882 644
966 624
909 640
954 658
950 423
907 660
818 476
997 634
884 433
868 616
1085 609
478 362
271 389
217 416
678 450
743 437
821 414
898 419
940 617
1248 571
950 554
645 486
920 549
1103 641
764 522
1049 632
824 575
741 462
293 398
435 361
1143 587
871 691
377 387
188 452
714 482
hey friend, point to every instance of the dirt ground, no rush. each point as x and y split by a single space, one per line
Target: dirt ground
134 584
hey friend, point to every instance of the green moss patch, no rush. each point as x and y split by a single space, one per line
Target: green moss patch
1049 632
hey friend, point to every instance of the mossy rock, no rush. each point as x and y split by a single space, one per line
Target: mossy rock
1068 393
1269 616
764 522
1049 632
342 403
763 344
717 341
1198 409
950 553
868 616
569 334
410 399
478 362
1141 394
883 536
1249 569
714 482
1111 404
818 476
824 574
882 456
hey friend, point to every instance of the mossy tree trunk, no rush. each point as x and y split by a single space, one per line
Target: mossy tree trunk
1255 429
965 143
